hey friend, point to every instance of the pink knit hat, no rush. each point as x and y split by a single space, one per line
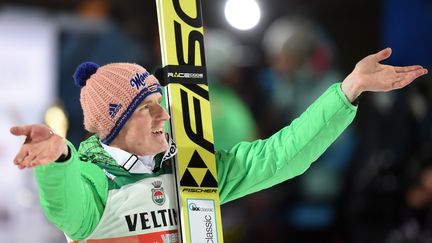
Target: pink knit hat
110 94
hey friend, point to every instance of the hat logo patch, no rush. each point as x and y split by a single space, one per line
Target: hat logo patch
113 109
138 80
153 88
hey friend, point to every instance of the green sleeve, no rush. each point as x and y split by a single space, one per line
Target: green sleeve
72 194
252 166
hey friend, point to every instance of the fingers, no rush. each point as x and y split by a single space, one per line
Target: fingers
383 54
39 153
28 156
25 157
34 133
20 130
401 84
407 68
30 160
19 158
415 73
408 77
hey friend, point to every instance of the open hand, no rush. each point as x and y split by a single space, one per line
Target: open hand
370 75
40 147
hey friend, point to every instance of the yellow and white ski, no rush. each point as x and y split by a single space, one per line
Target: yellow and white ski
187 97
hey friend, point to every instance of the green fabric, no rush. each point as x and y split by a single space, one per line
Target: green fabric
72 194
90 190
250 167
91 150
69 187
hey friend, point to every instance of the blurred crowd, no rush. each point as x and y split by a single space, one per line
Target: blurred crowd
374 184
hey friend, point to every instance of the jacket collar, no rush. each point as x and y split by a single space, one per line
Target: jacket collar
131 162
93 149
138 164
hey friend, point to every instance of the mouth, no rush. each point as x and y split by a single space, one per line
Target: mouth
158 131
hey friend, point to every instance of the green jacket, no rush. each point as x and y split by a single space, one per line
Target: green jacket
73 193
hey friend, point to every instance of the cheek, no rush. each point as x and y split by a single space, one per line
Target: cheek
138 130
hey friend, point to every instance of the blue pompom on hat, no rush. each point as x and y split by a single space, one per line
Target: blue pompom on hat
83 72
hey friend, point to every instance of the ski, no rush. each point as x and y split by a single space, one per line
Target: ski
187 98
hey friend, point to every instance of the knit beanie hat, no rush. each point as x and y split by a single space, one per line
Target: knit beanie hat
110 94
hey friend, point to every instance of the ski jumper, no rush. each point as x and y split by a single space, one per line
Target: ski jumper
93 199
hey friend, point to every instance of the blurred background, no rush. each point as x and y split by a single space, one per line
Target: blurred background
267 61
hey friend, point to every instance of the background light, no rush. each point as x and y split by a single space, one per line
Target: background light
56 118
242 14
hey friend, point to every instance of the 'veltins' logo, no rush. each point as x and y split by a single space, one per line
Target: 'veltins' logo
113 109
158 195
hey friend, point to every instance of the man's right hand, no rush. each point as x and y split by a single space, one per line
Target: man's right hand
41 146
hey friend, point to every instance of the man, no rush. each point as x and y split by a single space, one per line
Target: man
103 192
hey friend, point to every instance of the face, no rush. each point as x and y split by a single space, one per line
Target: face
143 133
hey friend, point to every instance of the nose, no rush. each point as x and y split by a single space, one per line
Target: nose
161 113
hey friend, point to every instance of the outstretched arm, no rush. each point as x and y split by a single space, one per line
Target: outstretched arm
370 75
65 188
250 167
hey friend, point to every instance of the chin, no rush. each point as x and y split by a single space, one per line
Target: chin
160 149
164 148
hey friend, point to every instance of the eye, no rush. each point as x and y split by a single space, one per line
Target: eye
143 107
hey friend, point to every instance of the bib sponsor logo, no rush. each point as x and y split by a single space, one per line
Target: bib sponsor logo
158 195
151 219
170 238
